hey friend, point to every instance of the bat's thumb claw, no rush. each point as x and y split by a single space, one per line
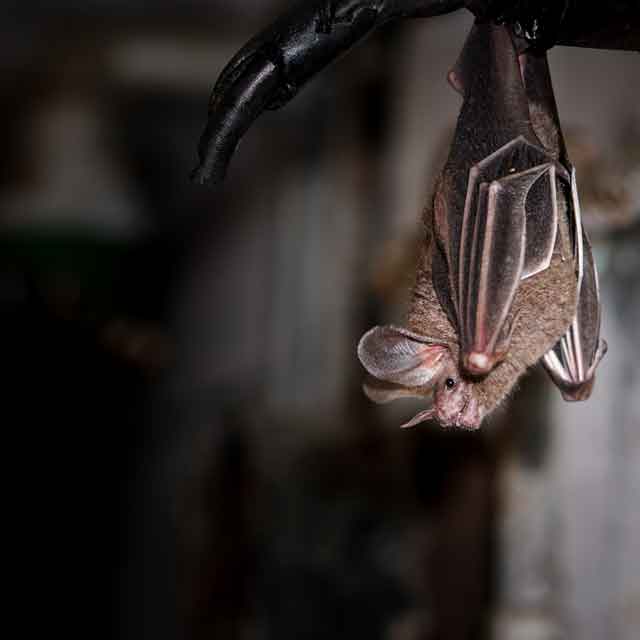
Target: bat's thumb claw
477 363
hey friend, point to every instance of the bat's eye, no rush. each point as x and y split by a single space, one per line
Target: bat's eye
449 383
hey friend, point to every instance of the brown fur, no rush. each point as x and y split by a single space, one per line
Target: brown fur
543 307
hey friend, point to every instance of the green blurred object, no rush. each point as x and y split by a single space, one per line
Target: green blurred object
87 262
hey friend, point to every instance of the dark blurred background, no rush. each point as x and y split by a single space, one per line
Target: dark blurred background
189 451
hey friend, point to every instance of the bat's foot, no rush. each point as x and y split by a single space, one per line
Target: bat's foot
537 21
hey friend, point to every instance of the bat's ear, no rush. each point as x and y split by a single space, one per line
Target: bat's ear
382 392
402 358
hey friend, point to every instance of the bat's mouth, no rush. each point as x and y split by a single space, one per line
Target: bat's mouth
470 416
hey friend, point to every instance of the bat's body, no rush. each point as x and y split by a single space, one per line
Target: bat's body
495 207
507 277
546 306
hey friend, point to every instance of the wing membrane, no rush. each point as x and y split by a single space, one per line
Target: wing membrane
495 257
572 362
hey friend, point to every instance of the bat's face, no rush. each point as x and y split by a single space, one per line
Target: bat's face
405 364
454 401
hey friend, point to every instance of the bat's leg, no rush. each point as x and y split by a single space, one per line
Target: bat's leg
268 71
572 362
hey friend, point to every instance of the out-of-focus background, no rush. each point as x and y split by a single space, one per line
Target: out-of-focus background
182 392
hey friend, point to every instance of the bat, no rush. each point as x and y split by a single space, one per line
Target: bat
506 278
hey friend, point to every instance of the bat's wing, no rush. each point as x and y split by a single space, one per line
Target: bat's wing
543 110
495 209
508 233
573 360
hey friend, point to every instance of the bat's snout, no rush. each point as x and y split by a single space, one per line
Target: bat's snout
471 416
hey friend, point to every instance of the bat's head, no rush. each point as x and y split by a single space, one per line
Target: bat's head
401 363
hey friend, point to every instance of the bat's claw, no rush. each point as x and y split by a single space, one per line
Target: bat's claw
477 363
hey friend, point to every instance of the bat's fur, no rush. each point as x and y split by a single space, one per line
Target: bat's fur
544 307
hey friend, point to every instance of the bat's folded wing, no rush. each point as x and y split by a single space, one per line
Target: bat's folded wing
508 233
572 362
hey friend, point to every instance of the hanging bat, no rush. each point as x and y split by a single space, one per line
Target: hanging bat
507 278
